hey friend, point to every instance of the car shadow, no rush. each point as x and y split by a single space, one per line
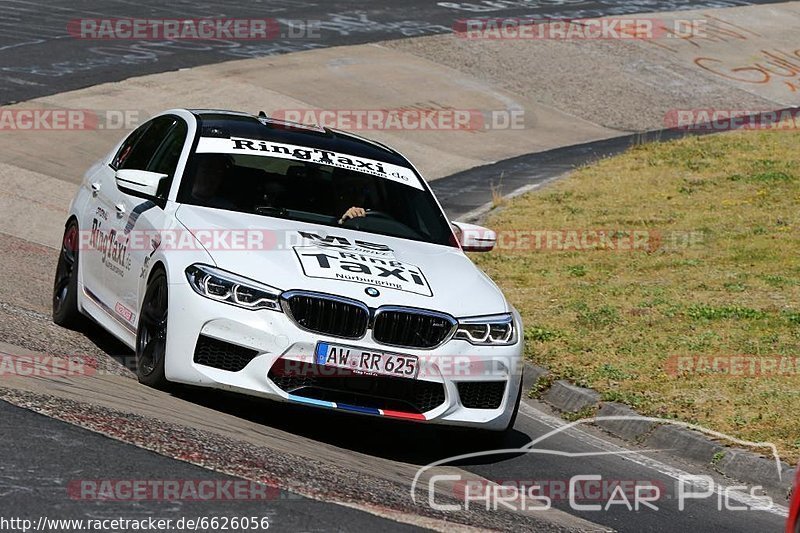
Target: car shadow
109 344
397 440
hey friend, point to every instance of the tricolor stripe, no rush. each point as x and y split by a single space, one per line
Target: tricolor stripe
401 414
357 408
312 401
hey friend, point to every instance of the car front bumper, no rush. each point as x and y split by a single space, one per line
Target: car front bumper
278 341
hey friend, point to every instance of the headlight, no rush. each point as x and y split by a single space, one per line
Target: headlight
495 330
229 288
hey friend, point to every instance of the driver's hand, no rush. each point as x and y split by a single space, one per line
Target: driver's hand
353 212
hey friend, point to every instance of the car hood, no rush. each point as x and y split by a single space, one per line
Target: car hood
288 254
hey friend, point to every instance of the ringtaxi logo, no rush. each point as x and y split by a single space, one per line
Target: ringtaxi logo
606 28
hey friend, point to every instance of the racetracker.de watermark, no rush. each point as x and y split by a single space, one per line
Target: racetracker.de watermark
135 490
454 366
119 243
226 29
743 365
407 119
590 239
46 366
712 119
116 242
606 28
22 120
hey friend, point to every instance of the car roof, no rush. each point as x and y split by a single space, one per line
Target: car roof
217 123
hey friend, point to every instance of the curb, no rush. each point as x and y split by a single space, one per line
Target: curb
569 398
694 446
468 195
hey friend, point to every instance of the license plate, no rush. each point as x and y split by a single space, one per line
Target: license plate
363 360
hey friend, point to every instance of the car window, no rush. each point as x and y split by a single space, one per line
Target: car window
165 159
127 146
145 147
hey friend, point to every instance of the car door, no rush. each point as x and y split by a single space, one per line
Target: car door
140 221
99 220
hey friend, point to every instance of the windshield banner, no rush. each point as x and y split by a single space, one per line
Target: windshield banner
305 154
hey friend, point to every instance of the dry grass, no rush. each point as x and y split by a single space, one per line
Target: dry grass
724 280
498 199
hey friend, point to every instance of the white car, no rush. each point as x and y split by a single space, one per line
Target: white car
290 262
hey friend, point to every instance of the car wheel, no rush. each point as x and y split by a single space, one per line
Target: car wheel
65 285
151 335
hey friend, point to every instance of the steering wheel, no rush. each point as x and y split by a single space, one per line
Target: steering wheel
378 214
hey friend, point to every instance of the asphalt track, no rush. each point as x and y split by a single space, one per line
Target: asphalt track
38 58
580 451
64 453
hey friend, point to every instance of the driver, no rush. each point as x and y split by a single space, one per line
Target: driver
353 212
351 193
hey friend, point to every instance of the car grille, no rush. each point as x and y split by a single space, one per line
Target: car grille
328 315
414 329
222 355
378 392
481 394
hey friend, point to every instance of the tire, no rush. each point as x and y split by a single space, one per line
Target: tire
65 284
151 334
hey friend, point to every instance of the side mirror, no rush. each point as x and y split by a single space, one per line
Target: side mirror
139 183
474 238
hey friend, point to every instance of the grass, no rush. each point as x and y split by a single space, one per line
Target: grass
719 276
498 199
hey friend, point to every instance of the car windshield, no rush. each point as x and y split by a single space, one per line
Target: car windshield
378 200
